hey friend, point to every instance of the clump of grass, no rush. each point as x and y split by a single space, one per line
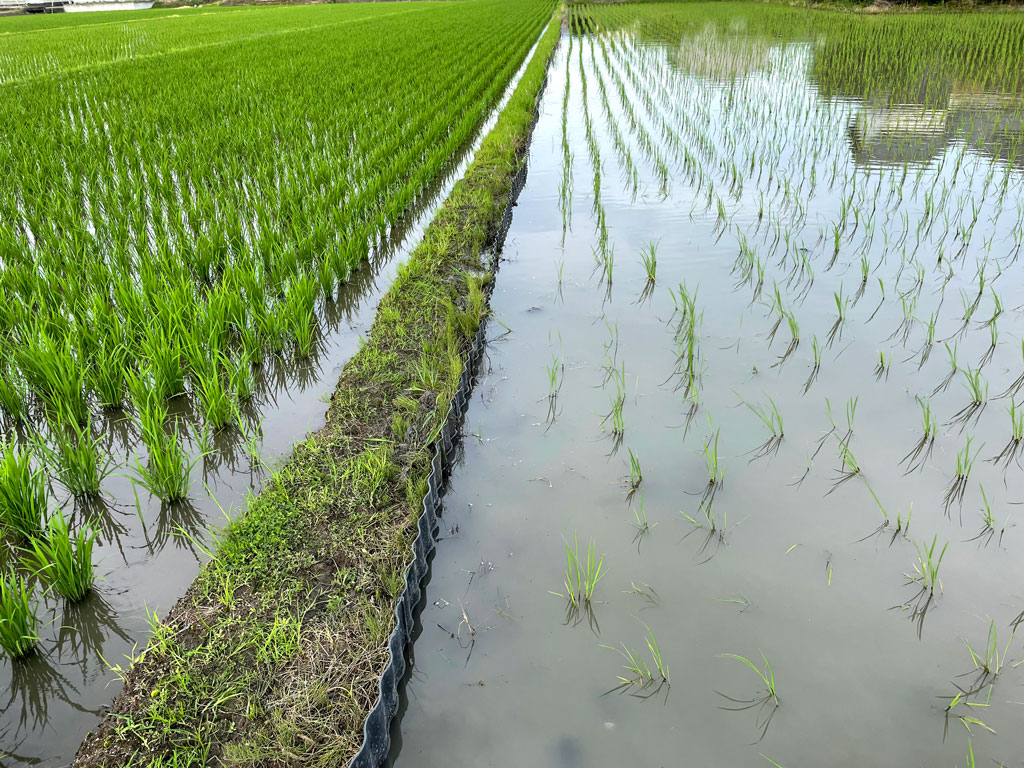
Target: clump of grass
18 623
22 492
62 559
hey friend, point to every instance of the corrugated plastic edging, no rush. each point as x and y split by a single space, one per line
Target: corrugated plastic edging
377 728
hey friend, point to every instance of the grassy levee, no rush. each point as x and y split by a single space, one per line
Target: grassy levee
273 655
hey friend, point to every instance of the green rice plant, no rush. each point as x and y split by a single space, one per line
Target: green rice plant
106 375
1014 445
842 302
929 425
968 720
640 675
921 451
163 353
766 675
78 457
54 374
964 464
650 258
769 415
556 373
794 327
23 502
636 476
976 386
640 520
712 460
767 701
18 623
883 364
990 661
167 472
582 575
848 465
214 397
618 401
926 569
815 363
12 397
851 413
63 560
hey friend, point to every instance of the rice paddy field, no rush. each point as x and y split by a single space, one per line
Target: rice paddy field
201 209
743 470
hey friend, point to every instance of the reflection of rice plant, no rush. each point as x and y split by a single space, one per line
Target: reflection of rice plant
63 560
18 623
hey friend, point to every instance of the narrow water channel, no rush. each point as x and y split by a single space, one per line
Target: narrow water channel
816 286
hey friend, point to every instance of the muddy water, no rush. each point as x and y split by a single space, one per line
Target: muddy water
148 553
800 567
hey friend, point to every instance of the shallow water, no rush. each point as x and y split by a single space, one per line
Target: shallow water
148 553
801 565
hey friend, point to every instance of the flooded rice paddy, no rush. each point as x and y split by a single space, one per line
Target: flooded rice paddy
149 552
758 339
